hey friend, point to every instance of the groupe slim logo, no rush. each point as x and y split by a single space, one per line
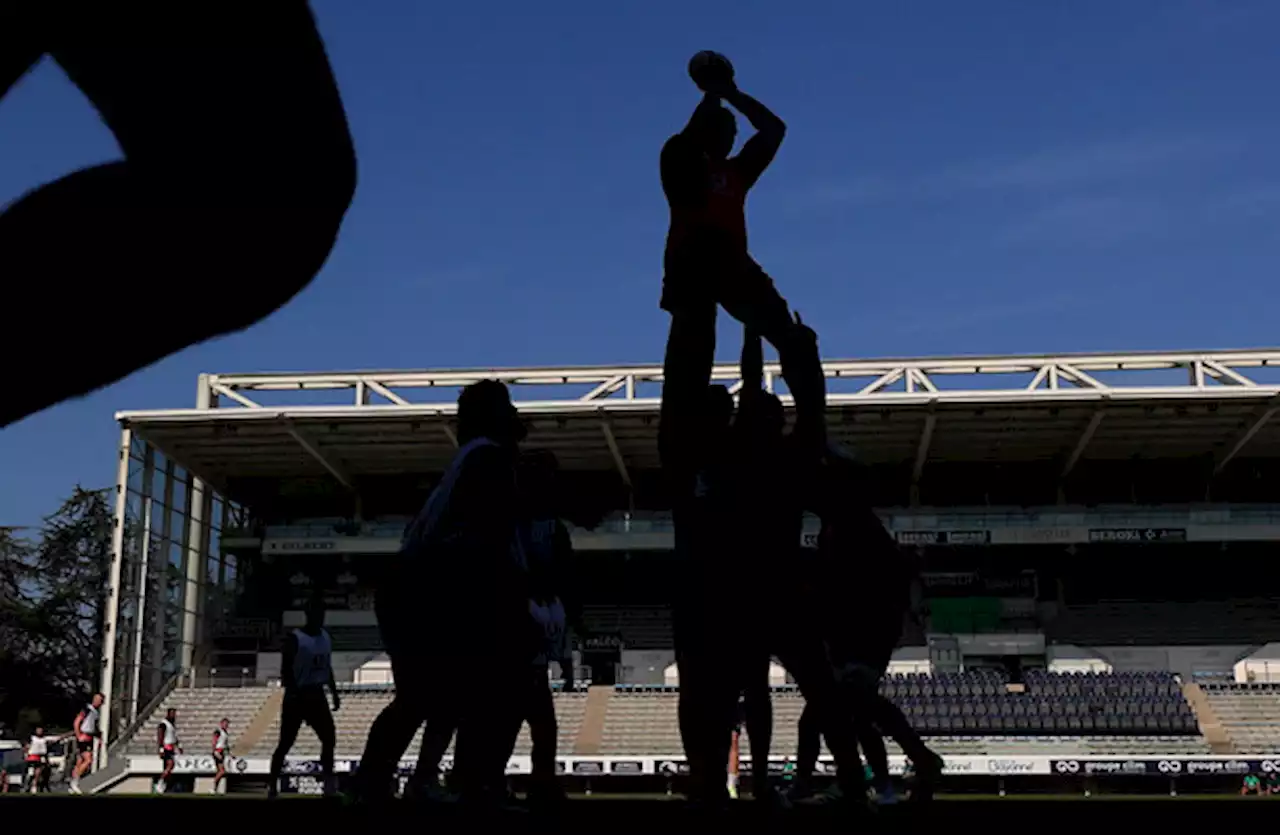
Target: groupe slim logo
1068 766
1271 765
1169 766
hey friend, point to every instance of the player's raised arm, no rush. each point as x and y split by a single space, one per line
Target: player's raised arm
683 164
762 147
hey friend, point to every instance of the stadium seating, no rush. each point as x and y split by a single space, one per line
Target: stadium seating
361 705
199 712
1249 713
978 713
1127 623
973 713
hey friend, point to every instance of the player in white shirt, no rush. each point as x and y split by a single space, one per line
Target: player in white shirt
36 755
221 750
307 670
167 743
86 732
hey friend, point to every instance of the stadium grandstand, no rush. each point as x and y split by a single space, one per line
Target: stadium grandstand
1098 534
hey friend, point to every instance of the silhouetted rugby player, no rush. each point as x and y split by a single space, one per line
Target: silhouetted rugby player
703 609
774 474
867 581
237 169
453 608
706 262
548 551
770 470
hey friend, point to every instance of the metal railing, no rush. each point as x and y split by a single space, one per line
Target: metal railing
122 739
234 676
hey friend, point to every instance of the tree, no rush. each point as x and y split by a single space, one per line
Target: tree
15 623
53 596
72 561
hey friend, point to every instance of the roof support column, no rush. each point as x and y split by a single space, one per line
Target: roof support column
1082 443
618 461
922 455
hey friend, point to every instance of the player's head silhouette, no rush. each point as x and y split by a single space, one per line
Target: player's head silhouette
715 129
315 613
485 411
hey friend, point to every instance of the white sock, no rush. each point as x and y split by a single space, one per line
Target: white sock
159 786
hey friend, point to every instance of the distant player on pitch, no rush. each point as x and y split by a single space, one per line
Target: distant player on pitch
308 670
168 747
221 751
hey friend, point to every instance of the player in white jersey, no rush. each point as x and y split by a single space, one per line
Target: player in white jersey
86 731
221 750
307 670
168 747
36 756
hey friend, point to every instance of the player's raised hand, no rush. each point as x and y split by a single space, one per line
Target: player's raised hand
713 73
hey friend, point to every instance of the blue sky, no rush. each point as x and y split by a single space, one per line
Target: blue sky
986 177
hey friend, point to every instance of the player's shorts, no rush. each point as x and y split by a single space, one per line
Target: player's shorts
309 706
709 271
84 746
219 757
167 754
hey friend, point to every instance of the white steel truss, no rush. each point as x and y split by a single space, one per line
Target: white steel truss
978 380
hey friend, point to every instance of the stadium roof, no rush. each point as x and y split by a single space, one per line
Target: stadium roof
1068 407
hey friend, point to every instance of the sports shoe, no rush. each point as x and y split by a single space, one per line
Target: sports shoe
928 772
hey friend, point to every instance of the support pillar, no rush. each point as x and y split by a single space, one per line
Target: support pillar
112 616
140 598
162 581
194 554
194 568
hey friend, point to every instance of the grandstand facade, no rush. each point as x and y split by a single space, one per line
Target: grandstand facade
1099 535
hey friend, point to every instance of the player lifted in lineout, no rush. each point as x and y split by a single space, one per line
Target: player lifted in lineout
707 264
307 670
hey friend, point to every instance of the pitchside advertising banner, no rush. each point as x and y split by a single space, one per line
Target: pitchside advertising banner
304 771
